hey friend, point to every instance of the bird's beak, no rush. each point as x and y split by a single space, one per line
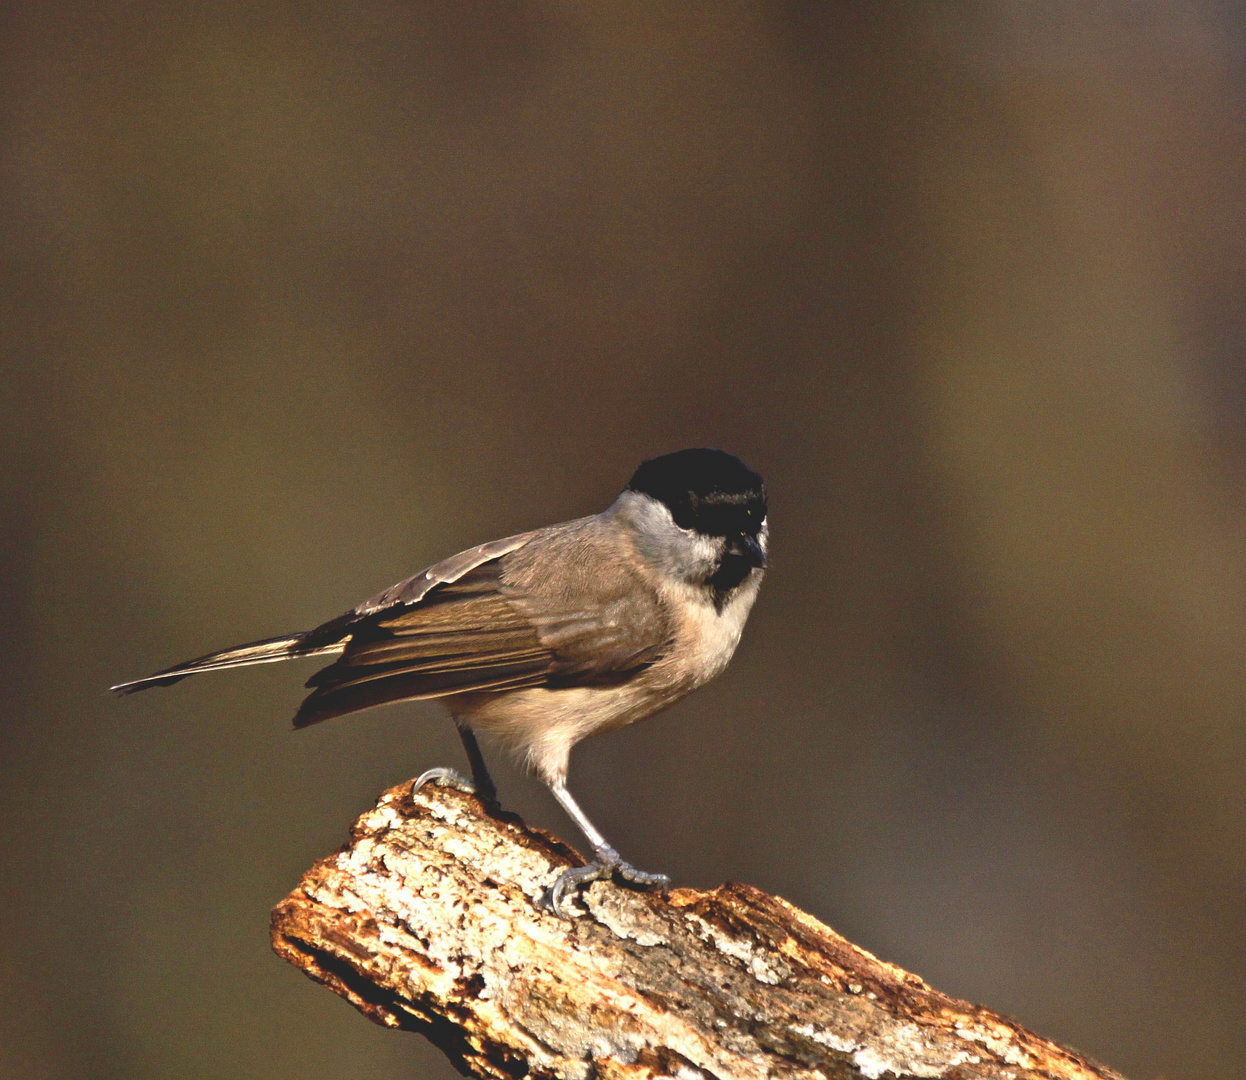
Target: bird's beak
749 548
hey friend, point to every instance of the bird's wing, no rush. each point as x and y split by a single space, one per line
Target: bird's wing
496 618
332 637
410 591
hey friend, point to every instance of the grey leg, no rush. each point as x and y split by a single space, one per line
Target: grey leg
481 783
606 861
486 790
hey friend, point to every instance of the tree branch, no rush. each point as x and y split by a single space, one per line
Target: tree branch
428 921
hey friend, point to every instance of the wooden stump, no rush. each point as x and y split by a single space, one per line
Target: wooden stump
428 920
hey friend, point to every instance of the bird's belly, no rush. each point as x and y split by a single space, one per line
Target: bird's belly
539 726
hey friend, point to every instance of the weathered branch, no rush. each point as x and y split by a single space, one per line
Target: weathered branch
428 920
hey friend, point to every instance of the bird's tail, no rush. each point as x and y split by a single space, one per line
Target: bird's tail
268 651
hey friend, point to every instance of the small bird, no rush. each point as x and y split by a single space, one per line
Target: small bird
544 638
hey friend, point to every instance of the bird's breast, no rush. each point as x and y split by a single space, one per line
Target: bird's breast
706 634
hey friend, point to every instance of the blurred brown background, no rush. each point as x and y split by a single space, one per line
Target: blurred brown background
301 297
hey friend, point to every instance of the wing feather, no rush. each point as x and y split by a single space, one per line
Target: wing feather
493 619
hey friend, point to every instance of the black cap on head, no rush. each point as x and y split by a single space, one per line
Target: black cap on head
706 490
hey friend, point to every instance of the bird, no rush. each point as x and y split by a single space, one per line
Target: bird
542 639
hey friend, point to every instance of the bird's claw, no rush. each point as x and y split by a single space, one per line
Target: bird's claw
643 879
606 864
447 777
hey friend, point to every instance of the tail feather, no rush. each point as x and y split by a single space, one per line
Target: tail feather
268 651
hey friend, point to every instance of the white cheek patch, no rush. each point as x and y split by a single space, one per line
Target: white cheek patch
682 553
701 555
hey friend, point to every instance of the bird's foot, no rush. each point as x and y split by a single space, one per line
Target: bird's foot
606 864
642 879
447 777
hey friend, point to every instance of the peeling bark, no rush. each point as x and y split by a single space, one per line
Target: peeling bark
428 921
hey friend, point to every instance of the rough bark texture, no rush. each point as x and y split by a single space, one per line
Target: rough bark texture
428 921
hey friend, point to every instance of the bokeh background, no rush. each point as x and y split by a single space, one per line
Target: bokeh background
299 297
